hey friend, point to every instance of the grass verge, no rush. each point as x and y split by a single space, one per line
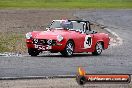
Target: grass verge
11 42
65 4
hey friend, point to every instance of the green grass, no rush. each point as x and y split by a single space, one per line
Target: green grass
65 3
12 42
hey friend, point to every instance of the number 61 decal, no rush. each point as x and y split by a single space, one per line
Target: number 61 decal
88 41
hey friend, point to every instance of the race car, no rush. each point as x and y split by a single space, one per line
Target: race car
67 37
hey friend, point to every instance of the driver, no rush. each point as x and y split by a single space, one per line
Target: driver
67 24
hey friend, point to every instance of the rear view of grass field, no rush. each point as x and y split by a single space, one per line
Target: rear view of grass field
66 4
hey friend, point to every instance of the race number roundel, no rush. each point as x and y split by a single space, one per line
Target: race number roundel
88 41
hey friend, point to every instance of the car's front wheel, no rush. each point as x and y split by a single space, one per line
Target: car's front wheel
69 49
98 49
33 52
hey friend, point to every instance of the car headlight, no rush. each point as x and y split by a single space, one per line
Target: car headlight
59 38
28 35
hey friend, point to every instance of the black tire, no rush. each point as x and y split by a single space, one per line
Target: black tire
33 52
98 49
69 49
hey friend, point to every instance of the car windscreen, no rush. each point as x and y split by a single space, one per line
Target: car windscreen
61 24
55 24
72 25
78 26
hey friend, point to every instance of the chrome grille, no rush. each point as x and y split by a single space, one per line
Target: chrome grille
43 42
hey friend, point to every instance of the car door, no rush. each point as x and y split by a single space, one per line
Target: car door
78 36
83 41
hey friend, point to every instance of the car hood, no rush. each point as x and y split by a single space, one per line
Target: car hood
52 34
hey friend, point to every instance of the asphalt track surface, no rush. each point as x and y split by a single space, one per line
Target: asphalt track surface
116 59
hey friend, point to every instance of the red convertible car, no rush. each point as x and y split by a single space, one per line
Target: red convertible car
67 37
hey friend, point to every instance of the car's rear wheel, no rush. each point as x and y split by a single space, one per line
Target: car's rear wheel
69 49
33 52
98 49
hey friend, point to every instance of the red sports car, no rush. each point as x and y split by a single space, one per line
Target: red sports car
67 37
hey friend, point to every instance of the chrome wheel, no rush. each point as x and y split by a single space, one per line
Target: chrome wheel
98 49
69 48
